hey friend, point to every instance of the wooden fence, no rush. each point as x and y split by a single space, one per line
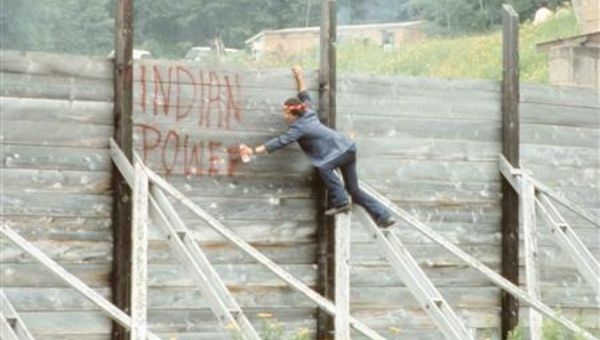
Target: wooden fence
56 118
431 145
560 144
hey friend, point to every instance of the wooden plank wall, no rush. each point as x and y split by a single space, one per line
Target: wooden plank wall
56 118
431 145
188 122
560 144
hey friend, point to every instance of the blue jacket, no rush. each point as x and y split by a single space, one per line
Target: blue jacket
320 143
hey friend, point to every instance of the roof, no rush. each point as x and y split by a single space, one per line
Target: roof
593 38
339 28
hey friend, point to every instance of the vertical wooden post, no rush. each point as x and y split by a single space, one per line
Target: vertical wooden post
139 255
327 72
121 221
510 150
527 220
342 276
324 231
327 93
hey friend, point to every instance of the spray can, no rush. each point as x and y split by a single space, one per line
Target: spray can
246 158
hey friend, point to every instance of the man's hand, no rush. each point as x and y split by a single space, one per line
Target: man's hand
299 76
245 150
297 71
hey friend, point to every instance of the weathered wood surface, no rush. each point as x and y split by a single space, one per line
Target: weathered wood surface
42 63
511 139
552 114
379 318
290 253
419 107
431 145
433 148
52 110
560 96
268 202
55 87
54 204
585 137
56 114
165 321
393 129
561 146
54 158
156 71
265 232
66 182
55 134
560 156
138 283
268 119
185 298
35 228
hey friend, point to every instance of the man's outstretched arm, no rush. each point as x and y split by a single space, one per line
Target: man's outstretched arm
290 136
299 77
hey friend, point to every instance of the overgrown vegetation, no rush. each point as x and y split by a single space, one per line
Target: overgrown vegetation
168 29
551 330
476 56
271 329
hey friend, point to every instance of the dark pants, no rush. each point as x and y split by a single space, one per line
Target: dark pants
337 195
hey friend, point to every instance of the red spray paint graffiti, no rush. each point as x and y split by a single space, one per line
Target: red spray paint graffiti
205 99
178 153
213 99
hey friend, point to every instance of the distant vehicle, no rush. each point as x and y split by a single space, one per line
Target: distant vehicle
137 54
200 52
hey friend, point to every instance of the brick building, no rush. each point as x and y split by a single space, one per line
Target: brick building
575 61
296 40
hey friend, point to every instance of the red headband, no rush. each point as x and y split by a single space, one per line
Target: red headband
294 106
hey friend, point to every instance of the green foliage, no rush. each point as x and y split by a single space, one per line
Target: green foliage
477 56
71 26
360 11
271 329
167 28
453 17
516 334
456 17
170 28
551 330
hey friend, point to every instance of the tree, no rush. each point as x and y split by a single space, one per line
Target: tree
374 11
171 27
70 26
453 17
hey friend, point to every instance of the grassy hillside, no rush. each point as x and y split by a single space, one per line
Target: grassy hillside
461 57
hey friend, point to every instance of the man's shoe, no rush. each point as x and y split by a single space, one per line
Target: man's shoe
337 210
386 224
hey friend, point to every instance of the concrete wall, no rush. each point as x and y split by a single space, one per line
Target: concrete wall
575 65
588 15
